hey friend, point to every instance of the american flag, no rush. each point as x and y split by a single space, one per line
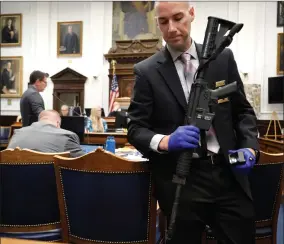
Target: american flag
114 93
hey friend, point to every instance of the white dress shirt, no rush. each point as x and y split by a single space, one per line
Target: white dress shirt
186 86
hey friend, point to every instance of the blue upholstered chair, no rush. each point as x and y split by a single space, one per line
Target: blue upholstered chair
266 185
104 198
28 195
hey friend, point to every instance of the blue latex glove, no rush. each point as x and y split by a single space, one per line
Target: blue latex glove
184 137
250 161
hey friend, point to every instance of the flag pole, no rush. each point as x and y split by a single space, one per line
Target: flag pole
112 94
113 63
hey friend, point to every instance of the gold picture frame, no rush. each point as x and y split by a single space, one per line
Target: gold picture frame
69 39
11 30
134 20
11 85
280 54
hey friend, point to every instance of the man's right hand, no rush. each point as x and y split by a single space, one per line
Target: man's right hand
184 137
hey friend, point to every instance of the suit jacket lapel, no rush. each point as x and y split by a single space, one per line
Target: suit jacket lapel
198 50
168 71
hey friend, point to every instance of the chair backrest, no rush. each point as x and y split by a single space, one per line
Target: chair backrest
28 193
104 198
266 184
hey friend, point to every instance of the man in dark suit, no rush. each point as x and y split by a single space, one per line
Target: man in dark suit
216 193
31 103
9 33
71 42
47 136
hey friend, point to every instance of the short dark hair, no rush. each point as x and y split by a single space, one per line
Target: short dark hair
37 75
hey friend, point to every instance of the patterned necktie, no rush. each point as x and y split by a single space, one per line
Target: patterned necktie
188 66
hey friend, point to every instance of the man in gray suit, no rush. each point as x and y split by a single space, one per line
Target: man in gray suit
47 136
31 103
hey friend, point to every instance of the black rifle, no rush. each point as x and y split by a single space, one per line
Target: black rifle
202 98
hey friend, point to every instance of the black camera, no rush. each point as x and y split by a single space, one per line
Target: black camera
237 158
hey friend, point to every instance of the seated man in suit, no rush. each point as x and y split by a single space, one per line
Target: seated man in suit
47 136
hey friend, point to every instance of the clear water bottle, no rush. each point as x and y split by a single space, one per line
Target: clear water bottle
110 144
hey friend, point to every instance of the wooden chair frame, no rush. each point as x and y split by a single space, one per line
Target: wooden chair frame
103 162
268 158
272 158
5 240
19 156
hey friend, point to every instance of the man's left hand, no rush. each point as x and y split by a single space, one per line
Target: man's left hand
249 155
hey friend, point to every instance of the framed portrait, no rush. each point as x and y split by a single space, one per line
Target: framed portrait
134 20
280 13
11 76
280 54
11 30
69 38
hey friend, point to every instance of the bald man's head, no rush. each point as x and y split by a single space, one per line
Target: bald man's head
174 21
185 5
50 117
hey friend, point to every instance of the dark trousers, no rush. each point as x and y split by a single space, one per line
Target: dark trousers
217 200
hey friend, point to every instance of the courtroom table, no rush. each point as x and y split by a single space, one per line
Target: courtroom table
100 138
271 146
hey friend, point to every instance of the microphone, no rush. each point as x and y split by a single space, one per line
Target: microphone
66 103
